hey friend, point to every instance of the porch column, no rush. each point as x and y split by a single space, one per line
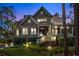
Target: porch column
60 31
72 31
49 30
56 30
38 30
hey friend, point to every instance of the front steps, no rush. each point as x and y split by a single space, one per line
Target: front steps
46 39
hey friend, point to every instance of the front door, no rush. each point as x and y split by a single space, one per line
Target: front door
43 30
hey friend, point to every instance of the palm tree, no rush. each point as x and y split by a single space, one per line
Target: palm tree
76 17
65 32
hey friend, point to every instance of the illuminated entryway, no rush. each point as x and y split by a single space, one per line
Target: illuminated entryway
43 30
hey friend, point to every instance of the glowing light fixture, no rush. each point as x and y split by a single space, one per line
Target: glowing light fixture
43 38
29 42
55 27
49 47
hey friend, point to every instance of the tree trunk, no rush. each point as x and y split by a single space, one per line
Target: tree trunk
65 32
76 17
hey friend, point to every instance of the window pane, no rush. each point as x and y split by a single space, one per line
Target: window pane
23 31
26 31
17 32
31 31
34 31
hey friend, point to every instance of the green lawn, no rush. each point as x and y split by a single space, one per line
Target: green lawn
18 52
22 51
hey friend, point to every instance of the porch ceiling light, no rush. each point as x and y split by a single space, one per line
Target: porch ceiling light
62 27
55 27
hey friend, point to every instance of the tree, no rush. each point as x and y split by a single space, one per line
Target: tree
76 17
65 32
7 15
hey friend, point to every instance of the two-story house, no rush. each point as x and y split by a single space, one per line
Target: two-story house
41 24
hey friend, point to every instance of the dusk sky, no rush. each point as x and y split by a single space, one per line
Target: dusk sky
31 8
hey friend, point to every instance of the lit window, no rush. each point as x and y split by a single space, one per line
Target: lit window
25 31
29 21
17 32
42 20
62 27
45 19
33 31
41 12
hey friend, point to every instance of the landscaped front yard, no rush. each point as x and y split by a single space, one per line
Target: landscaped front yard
23 51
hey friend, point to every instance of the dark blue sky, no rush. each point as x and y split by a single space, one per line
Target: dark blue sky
31 8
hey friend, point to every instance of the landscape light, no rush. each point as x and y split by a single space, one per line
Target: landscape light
49 47
27 44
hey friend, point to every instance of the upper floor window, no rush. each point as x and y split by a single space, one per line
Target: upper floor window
42 20
33 31
25 31
17 32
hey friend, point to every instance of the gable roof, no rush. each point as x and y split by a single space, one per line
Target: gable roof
44 10
57 20
26 17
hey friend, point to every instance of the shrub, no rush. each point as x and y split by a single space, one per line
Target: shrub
71 41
